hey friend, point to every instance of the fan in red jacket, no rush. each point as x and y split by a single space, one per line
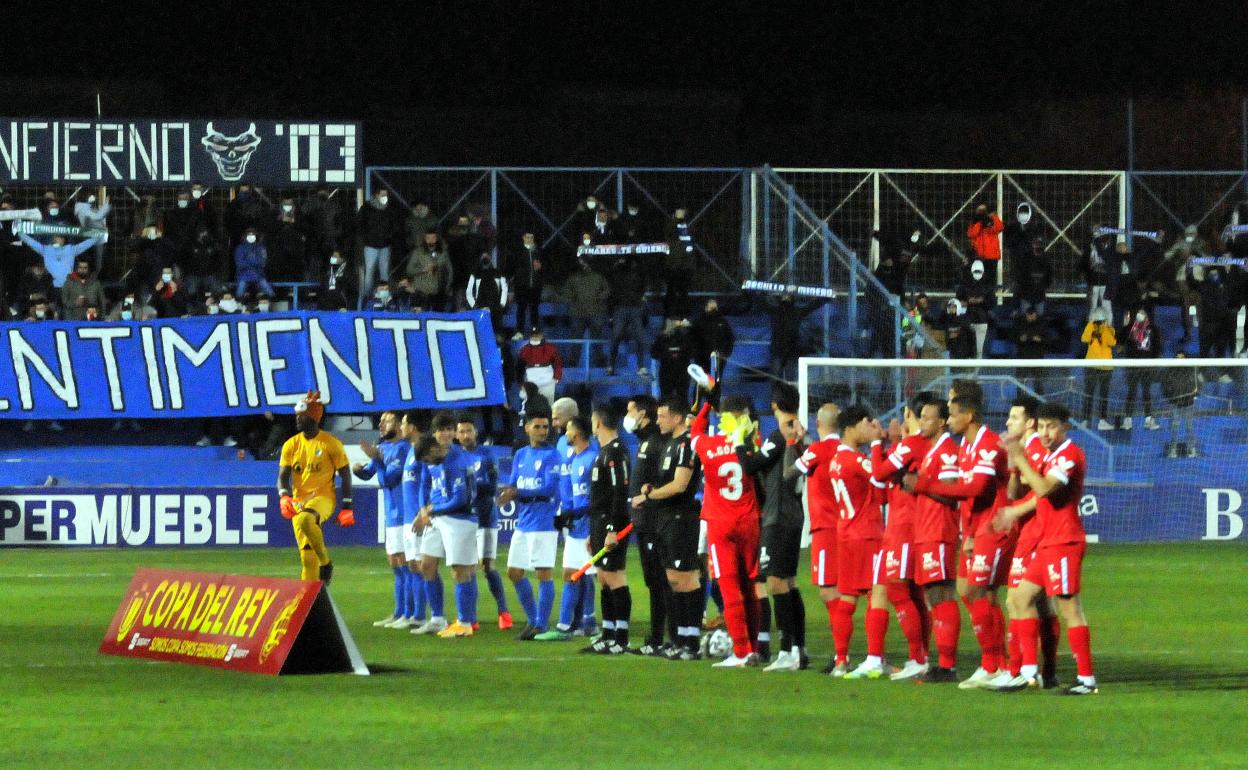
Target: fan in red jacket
983 232
539 362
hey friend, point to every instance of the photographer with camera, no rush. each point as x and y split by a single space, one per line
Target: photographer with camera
983 232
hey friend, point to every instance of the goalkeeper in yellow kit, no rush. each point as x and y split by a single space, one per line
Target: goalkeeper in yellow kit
305 483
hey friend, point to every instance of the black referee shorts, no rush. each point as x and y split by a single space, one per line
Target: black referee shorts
781 547
678 540
615 559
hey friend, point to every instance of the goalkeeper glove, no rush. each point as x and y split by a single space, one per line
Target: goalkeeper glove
288 506
346 516
741 431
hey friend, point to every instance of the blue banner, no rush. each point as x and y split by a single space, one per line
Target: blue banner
172 516
121 151
218 366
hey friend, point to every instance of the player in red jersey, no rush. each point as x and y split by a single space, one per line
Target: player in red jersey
731 512
815 463
893 579
1021 424
860 529
935 546
982 490
1057 566
971 388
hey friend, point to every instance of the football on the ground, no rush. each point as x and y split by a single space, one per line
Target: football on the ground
717 644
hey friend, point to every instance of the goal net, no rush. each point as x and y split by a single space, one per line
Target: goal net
1165 439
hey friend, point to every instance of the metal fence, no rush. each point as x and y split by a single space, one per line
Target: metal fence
549 202
938 203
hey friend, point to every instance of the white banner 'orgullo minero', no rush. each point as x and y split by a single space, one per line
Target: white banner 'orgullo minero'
122 151
217 366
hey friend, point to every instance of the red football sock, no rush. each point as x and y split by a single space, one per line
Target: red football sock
985 628
998 635
842 628
966 602
1026 632
1080 640
910 620
925 614
877 628
946 625
1016 655
1050 631
832 605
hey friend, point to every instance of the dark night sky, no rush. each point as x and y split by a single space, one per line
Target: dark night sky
742 83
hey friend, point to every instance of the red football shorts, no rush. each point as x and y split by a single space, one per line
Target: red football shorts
964 560
732 547
1057 568
823 562
896 563
934 562
856 563
1023 552
991 560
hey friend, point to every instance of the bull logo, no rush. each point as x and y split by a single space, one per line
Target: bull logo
231 153
132 614
281 625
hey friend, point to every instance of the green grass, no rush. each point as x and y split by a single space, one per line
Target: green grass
1168 626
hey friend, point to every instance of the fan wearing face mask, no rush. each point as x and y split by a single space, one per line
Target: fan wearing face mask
976 292
1020 231
376 227
983 231
250 263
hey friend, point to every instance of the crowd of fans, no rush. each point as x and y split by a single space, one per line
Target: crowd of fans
195 259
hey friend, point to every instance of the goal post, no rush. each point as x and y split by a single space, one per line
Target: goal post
1166 439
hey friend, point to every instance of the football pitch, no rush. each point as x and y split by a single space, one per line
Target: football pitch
1168 634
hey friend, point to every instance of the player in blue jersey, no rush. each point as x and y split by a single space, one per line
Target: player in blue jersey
385 461
448 522
533 485
574 519
413 426
583 621
485 471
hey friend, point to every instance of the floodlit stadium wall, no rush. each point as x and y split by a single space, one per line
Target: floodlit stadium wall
172 516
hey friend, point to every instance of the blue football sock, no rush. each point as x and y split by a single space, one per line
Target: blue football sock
495 581
400 591
569 603
587 600
473 591
433 595
466 601
545 602
416 594
524 592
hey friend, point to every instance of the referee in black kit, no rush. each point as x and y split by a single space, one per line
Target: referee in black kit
641 420
608 515
676 514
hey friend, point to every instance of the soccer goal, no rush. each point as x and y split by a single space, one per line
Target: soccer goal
1166 439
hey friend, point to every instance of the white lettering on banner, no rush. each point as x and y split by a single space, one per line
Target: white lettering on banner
399 328
157 519
147 152
323 349
153 372
254 508
8 151
244 355
270 365
63 388
30 146
1088 507
1215 513
469 331
217 342
103 151
70 148
168 130
106 335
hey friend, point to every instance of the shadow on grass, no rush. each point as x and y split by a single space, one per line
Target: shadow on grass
1161 675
